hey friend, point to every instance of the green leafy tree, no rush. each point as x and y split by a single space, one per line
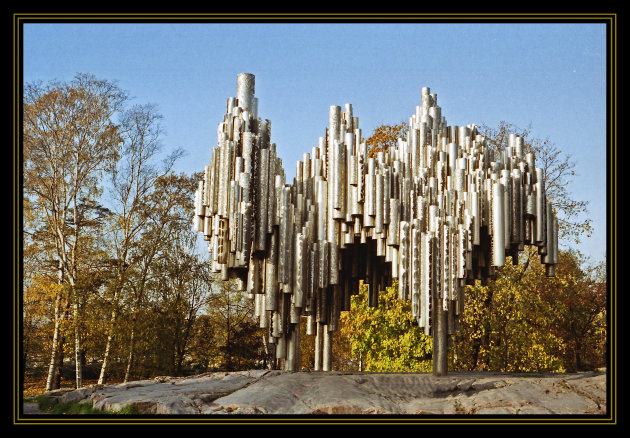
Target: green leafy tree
133 181
385 338
245 349
576 296
519 321
202 347
169 213
525 321
505 326
233 321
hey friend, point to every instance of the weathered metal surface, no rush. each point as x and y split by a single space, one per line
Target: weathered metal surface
439 210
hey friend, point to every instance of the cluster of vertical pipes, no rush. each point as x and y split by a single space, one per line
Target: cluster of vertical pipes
437 212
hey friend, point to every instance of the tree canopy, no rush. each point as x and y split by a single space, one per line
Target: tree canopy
521 320
114 286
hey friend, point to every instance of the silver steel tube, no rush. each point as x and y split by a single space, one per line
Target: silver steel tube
361 172
301 263
245 87
517 207
498 225
551 255
393 232
379 201
415 272
445 262
271 190
370 189
281 347
334 262
327 349
540 207
440 341
403 266
271 273
387 195
263 196
507 207
290 362
319 339
324 253
341 183
424 212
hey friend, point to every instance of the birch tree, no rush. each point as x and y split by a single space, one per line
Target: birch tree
182 283
558 171
168 210
69 141
132 181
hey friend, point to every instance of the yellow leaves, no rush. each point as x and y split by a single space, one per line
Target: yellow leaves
42 290
385 335
386 136
506 325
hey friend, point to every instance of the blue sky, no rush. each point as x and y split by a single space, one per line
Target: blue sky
547 76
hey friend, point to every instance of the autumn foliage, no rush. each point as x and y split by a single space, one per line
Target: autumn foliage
114 287
385 137
520 321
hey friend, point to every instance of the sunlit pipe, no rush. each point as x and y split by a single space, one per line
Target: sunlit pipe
517 208
540 207
326 349
378 201
404 256
245 88
393 231
301 264
424 212
263 196
498 225
415 270
271 273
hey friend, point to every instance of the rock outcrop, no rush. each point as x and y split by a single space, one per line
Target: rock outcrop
353 393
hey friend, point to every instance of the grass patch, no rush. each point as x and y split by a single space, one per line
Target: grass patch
44 402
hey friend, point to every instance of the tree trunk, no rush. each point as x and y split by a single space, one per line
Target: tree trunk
58 373
77 347
110 337
476 347
55 347
108 346
577 360
131 355
73 277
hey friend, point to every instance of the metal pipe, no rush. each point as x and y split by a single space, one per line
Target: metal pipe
245 87
263 195
393 231
271 273
403 266
498 225
327 349
440 340
301 264
379 200
435 211
319 339
540 207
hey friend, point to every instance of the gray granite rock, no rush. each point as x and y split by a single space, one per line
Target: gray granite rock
354 393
